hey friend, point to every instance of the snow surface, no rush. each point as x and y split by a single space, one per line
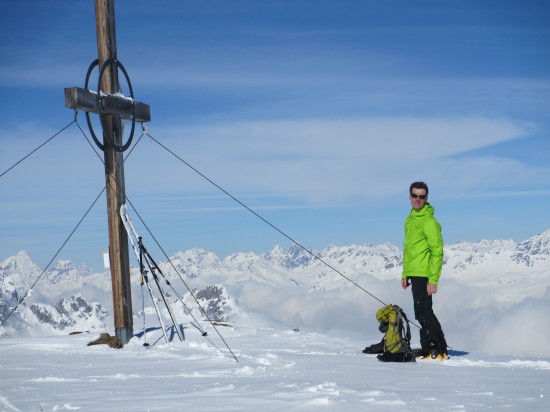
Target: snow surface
276 370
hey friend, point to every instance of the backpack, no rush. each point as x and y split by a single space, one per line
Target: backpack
397 335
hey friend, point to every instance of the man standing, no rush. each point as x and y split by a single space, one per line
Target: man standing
422 262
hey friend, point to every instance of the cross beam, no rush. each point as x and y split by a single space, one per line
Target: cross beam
112 104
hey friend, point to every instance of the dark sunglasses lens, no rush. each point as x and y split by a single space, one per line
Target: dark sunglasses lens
414 196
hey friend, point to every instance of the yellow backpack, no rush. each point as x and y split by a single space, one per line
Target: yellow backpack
397 334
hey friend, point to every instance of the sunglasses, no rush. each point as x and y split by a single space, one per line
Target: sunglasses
414 196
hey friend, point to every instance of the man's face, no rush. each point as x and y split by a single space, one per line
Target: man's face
418 198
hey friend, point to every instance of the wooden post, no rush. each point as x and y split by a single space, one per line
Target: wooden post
114 176
113 108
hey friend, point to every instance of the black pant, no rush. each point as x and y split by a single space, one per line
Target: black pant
431 335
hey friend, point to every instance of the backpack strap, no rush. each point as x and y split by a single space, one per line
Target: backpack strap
407 331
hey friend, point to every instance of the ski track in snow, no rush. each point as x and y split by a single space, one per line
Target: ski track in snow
276 370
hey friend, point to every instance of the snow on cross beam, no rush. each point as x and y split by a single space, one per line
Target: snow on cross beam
112 104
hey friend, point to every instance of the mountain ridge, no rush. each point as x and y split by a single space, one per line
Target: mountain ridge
291 287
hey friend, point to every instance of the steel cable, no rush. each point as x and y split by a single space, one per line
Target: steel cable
264 219
43 144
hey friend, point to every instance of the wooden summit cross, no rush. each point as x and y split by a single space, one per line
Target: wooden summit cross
112 108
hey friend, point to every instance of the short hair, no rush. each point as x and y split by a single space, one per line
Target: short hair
418 185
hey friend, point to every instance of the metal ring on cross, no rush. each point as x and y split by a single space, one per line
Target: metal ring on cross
90 127
112 143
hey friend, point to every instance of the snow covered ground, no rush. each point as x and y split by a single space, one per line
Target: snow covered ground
276 370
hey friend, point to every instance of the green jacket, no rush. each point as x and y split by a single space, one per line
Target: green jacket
423 245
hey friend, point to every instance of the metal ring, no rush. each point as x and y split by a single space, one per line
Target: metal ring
106 63
90 127
118 148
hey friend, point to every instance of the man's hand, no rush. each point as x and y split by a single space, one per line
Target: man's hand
405 283
432 289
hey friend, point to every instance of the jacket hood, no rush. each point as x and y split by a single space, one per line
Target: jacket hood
427 210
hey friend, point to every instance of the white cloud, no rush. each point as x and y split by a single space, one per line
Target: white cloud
329 161
484 176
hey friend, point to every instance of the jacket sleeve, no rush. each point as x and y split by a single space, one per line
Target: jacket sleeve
432 231
403 276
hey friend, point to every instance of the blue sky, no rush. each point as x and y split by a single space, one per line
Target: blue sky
316 114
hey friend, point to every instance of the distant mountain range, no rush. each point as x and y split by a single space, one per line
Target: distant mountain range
69 298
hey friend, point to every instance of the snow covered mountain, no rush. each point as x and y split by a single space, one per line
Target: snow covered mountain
488 290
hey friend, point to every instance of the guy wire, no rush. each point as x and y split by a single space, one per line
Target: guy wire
264 219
